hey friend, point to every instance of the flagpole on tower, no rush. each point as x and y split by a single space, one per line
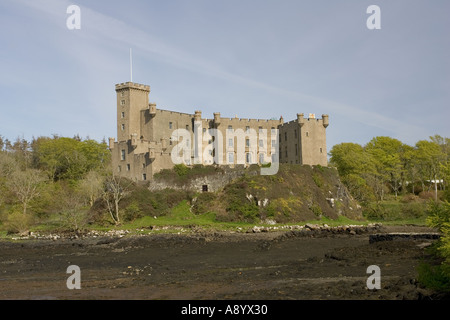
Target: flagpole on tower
131 67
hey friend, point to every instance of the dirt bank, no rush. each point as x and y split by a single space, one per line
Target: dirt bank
271 265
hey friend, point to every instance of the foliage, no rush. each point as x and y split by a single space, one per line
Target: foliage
438 215
437 276
66 158
18 222
386 165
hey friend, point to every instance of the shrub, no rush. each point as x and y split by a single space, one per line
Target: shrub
316 209
18 222
438 215
437 276
132 212
317 180
181 169
202 203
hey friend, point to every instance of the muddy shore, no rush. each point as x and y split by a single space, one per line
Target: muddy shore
217 266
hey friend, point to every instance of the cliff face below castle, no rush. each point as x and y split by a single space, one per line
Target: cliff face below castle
295 193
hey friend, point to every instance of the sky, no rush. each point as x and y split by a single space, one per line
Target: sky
251 58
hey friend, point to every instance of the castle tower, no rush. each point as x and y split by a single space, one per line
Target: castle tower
131 99
313 145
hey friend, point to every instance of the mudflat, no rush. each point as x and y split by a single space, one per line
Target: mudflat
215 265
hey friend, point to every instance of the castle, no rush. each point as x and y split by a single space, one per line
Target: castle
151 139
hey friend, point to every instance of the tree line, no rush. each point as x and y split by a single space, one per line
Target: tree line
386 166
69 177
56 175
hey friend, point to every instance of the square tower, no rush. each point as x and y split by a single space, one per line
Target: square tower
131 99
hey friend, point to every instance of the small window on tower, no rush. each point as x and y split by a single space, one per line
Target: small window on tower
320 150
122 115
123 126
122 102
170 125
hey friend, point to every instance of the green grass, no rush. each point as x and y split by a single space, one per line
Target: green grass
181 217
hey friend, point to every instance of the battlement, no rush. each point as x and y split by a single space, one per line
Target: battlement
127 85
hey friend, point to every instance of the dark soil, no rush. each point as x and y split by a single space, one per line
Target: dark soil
221 266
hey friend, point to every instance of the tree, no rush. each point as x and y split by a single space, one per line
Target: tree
388 153
25 185
91 186
431 158
67 158
357 170
116 187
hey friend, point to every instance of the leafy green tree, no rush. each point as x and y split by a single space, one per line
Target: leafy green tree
67 158
431 158
357 170
388 153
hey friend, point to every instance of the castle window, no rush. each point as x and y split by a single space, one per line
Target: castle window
261 158
247 142
230 129
307 133
122 155
119 169
122 102
296 149
143 166
295 133
230 157
230 142
247 129
260 129
261 143
320 150
122 115
123 126
187 127
128 167
285 136
248 157
170 125
144 176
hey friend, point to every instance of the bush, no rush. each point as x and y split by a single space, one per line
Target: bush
202 203
438 215
437 276
181 169
132 212
316 209
18 222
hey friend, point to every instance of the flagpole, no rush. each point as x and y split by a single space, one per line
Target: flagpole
131 67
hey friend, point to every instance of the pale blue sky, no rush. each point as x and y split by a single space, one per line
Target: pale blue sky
250 58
